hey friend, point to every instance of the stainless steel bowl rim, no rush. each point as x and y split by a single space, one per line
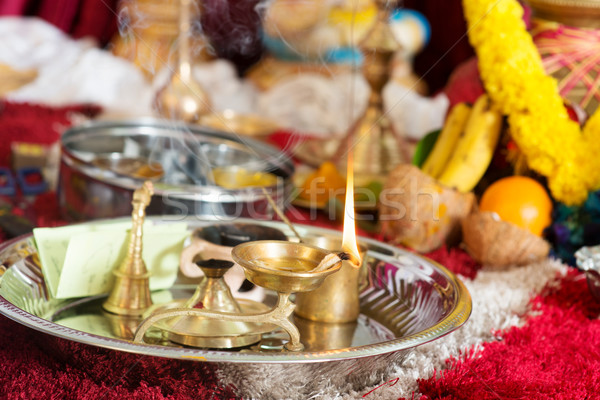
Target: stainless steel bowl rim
148 126
209 194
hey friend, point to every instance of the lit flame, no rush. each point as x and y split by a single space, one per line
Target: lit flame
349 243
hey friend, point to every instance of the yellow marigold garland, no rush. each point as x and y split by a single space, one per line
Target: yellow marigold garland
512 72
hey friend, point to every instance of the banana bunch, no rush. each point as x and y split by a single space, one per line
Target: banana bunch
464 149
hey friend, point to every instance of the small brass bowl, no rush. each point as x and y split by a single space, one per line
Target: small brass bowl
135 167
235 177
244 124
282 266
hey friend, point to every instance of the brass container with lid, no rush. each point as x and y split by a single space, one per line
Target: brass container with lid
148 30
577 13
565 32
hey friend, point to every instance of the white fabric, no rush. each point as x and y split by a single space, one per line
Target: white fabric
70 71
314 104
227 92
412 114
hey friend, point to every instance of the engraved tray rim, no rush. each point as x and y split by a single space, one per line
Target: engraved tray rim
456 318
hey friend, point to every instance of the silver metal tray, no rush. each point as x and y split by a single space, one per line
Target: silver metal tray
406 301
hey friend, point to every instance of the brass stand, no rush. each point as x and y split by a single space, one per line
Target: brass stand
213 295
130 294
277 316
265 263
377 148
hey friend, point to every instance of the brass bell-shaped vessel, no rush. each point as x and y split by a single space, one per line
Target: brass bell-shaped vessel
130 294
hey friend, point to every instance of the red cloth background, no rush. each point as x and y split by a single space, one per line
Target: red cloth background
79 18
555 355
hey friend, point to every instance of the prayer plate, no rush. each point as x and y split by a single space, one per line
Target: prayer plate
406 300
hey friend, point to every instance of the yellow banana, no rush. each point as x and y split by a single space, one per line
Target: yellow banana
474 150
446 142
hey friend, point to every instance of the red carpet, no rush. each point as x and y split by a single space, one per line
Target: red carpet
35 366
556 355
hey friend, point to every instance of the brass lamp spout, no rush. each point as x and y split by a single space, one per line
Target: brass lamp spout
130 294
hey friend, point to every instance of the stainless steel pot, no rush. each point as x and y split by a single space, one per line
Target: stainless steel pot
103 162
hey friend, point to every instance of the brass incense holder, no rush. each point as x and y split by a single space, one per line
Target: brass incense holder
130 294
213 294
377 147
281 266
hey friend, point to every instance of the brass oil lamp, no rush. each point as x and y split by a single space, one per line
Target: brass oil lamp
336 301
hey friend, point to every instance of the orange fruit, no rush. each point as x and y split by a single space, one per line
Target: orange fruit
324 183
520 200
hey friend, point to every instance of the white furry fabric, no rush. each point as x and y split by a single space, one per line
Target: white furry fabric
500 298
411 114
313 104
70 71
